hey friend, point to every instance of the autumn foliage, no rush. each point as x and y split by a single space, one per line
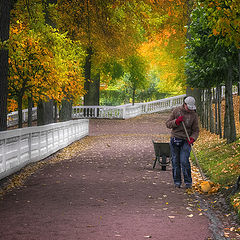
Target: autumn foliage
43 62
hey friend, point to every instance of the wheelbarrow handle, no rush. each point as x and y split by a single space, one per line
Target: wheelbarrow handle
200 170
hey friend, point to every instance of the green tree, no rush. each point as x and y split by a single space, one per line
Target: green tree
41 54
136 74
224 21
209 64
107 29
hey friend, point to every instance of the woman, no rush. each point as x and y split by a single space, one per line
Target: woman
179 144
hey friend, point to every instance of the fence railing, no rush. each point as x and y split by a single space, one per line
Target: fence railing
20 147
12 118
127 111
119 112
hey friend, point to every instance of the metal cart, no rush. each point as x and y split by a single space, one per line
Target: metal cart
163 154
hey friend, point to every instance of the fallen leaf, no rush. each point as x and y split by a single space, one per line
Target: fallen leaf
189 209
90 226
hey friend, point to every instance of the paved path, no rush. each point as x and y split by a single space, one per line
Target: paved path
104 189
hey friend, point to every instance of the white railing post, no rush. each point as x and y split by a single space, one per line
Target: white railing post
3 144
30 145
19 149
124 113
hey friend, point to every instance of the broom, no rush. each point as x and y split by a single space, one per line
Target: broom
205 185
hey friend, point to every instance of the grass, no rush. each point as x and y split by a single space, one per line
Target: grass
220 162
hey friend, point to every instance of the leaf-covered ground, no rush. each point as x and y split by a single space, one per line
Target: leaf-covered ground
221 163
104 187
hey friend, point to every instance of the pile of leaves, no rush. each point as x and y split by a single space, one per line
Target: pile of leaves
236 202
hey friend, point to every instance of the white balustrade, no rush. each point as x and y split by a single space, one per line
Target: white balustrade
132 111
163 104
12 118
20 147
128 110
120 112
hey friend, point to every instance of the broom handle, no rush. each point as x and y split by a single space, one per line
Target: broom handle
200 170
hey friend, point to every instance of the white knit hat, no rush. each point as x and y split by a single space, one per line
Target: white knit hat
190 101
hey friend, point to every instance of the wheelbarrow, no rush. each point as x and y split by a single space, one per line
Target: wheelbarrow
163 154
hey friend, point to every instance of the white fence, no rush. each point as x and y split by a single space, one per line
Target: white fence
127 111
120 112
20 147
12 118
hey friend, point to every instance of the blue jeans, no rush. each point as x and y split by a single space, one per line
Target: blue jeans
180 163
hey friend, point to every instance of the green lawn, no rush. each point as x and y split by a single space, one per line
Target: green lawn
219 161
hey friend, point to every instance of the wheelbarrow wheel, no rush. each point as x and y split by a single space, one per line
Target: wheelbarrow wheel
164 163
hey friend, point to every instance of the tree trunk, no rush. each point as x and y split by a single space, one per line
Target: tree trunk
93 91
203 113
30 106
219 98
96 88
40 113
47 107
133 96
229 122
232 137
48 112
202 108
189 4
227 129
216 111
65 113
48 19
45 113
4 36
87 73
206 110
196 93
211 120
20 115
55 111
